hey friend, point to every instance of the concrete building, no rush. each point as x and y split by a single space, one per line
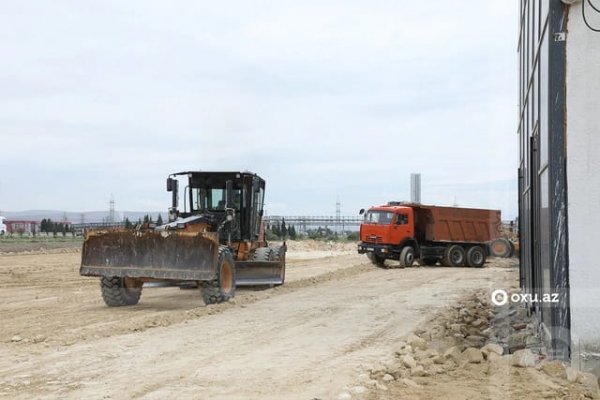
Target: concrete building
20 227
559 173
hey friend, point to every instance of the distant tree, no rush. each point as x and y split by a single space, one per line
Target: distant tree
147 219
284 231
159 220
292 232
276 230
128 224
352 236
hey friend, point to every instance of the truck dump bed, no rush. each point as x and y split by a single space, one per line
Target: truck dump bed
453 224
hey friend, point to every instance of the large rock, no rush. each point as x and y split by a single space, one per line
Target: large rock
387 378
438 360
478 323
518 340
409 361
456 328
410 383
554 368
453 353
472 355
416 342
464 313
492 348
524 358
418 371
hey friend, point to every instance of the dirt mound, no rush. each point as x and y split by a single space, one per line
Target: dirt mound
318 245
476 350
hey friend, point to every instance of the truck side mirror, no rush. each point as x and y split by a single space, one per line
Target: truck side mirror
170 184
361 212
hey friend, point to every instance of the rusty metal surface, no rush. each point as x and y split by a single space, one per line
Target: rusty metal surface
250 273
455 224
150 254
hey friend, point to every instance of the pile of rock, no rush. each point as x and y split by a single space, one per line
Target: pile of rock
475 332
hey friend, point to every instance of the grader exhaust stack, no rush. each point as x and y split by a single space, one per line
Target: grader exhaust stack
216 241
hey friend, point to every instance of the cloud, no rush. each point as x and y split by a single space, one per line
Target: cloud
321 98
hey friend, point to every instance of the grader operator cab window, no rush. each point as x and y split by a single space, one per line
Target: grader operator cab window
214 199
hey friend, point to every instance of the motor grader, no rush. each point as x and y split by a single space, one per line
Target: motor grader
216 242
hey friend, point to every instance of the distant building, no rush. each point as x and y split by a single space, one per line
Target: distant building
559 174
20 227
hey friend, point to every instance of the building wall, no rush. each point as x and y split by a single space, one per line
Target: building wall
583 176
542 178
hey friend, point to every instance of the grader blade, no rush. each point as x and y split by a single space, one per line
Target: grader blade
252 273
149 254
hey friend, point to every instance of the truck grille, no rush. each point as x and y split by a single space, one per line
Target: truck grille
374 239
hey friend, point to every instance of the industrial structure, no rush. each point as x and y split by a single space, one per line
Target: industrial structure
303 224
559 173
415 188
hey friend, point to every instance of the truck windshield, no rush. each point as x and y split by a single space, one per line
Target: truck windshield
379 217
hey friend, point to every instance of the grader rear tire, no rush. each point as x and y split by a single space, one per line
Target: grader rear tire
118 292
222 288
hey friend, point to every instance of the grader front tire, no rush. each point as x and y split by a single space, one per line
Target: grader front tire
222 288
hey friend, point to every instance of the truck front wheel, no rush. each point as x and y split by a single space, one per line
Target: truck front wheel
454 256
407 256
222 288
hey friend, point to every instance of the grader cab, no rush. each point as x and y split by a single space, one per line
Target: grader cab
216 242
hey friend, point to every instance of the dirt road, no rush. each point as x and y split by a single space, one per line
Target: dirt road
311 338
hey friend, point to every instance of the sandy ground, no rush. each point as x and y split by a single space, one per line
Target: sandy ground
311 338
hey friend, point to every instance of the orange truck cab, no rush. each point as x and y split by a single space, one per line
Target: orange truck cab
407 232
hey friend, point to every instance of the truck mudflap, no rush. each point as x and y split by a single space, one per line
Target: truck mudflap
150 254
253 273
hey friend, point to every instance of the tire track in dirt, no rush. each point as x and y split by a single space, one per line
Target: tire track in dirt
64 311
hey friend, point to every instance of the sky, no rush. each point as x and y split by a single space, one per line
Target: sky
324 99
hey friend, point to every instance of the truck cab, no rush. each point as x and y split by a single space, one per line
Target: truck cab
2 226
385 231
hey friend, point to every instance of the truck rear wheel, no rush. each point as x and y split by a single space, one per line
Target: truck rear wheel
222 288
376 260
407 256
454 256
117 291
475 257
